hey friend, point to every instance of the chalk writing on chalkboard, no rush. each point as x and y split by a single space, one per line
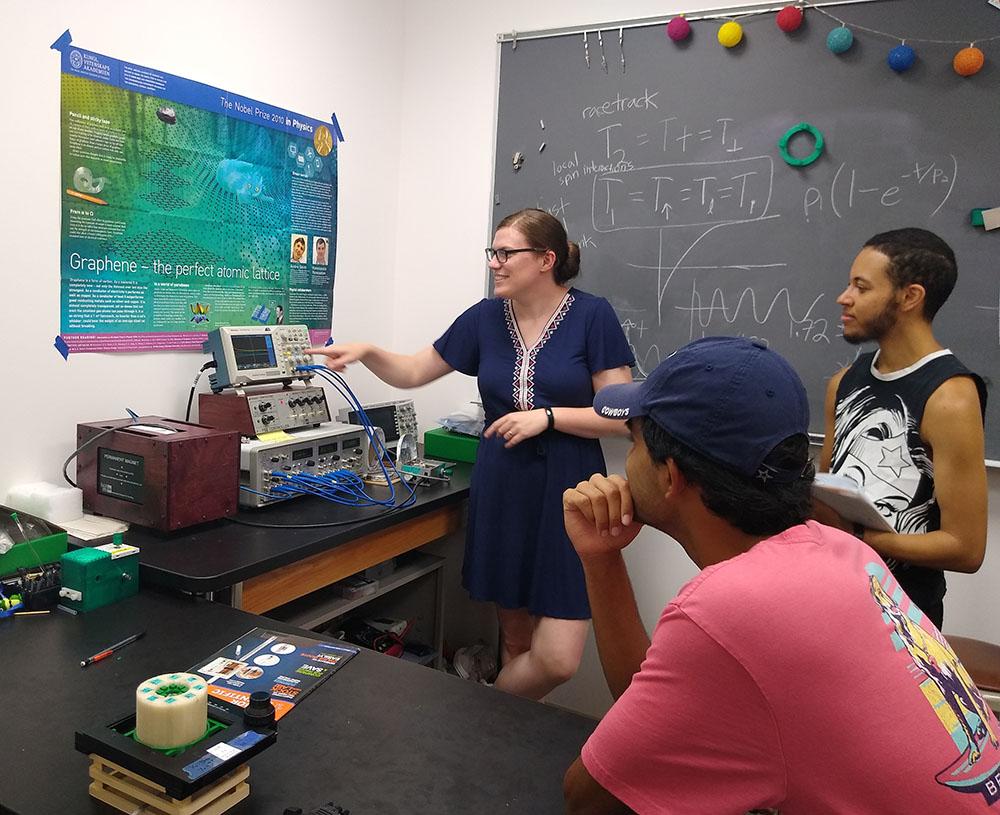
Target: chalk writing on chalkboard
699 198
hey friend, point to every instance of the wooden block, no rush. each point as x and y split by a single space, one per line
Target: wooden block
126 791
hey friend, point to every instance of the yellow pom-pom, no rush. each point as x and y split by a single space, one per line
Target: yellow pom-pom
730 34
968 61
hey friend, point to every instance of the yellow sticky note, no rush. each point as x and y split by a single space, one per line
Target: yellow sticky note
274 435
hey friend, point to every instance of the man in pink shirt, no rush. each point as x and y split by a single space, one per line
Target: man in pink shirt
792 674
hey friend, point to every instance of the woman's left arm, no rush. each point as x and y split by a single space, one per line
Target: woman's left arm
519 425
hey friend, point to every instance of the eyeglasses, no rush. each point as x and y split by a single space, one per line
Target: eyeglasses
503 255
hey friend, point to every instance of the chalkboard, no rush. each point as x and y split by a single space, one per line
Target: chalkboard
690 221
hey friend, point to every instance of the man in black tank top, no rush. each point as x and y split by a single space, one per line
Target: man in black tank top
906 421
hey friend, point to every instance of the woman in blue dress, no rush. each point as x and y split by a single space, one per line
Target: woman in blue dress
540 351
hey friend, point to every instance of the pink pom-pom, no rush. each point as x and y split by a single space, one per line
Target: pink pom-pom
678 29
789 18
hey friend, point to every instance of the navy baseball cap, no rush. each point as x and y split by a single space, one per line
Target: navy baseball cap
730 399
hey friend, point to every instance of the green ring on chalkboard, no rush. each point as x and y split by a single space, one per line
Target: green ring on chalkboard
800 162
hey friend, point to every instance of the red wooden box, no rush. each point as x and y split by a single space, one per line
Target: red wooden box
156 472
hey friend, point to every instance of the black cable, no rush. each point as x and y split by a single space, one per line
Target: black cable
105 432
314 526
210 364
76 452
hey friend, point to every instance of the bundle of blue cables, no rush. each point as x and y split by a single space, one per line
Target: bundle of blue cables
343 486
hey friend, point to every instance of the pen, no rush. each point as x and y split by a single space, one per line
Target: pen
110 650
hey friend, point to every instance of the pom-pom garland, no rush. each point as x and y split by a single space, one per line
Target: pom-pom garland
839 40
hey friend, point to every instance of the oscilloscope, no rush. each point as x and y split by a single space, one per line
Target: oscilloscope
395 418
254 355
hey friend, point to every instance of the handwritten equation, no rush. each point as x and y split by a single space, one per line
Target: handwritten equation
689 194
669 174
850 188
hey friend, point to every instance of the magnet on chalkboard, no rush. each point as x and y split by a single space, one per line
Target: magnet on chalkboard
988 218
518 160
801 128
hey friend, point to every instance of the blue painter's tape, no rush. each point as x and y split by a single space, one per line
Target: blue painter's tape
336 127
246 739
62 347
196 769
63 42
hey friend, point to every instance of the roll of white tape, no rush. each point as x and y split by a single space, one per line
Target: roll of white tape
171 710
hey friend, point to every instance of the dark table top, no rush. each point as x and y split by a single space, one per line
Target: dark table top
379 736
213 556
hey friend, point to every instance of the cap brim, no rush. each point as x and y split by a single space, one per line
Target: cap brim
619 401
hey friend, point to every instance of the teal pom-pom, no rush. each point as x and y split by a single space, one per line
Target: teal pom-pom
839 40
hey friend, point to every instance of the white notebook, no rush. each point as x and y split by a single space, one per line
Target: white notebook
845 496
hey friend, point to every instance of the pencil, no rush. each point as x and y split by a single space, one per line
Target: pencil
86 197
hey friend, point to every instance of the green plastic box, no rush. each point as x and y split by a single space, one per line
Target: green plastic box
443 444
48 549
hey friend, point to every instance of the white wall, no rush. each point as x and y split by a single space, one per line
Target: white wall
413 85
